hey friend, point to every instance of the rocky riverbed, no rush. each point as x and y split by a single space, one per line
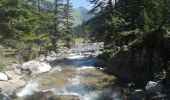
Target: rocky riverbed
70 75
67 75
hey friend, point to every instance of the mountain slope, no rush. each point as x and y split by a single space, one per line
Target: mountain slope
80 14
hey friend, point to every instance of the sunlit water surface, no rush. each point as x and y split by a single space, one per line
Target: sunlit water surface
74 75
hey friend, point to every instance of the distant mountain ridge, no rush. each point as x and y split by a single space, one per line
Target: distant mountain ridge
80 14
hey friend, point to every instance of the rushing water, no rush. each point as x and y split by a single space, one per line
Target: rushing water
74 75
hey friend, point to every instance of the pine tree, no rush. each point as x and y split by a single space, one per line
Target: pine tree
57 20
143 15
67 22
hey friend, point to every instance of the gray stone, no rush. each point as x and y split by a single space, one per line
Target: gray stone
3 77
141 60
12 75
8 87
116 96
2 47
17 83
14 66
36 67
52 53
49 58
17 71
153 87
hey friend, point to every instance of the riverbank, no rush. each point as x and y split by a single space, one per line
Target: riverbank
70 74
145 63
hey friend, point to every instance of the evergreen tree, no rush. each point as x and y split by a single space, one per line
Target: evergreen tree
115 17
67 22
57 20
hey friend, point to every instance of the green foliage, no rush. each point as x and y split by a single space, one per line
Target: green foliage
106 54
23 24
124 21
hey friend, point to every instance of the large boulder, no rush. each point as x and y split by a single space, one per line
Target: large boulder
154 87
13 75
134 65
36 67
10 86
3 77
140 61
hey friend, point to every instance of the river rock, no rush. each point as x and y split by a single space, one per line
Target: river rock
96 53
36 67
17 71
41 58
49 95
53 54
3 77
50 59
17 83
16 65
12 75
153 87
41 96
4 97
2 47
116 96
139 95
8 87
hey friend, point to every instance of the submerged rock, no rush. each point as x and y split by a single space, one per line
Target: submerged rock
48 95
40 96
3 77
36 67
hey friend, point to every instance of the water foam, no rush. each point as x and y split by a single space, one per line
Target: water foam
29 89
75 57
85 67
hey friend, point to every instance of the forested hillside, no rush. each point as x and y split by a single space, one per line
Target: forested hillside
25 24
81 14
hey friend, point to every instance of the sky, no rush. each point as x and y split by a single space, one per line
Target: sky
80 3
